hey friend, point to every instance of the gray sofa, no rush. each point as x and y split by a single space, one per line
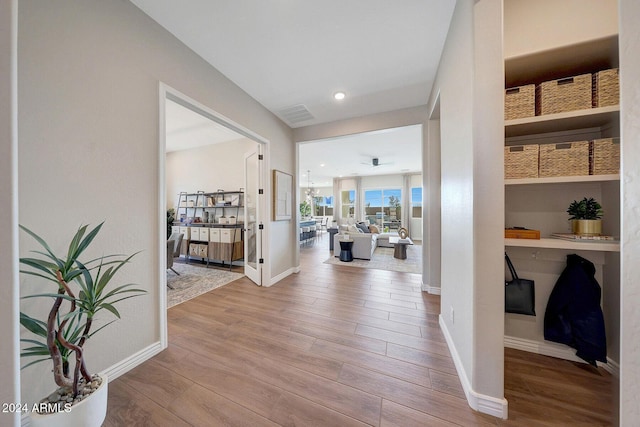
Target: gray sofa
363 243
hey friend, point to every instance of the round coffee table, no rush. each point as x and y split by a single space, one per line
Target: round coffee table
345 250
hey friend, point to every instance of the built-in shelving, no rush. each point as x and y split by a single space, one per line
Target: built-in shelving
563 179
541 203
551 243
570 120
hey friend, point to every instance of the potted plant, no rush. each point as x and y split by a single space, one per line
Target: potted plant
171 217
78 291
305 209
585 217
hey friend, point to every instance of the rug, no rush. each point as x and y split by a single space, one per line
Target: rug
194 281
383 259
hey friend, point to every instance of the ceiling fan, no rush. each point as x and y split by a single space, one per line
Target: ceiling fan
376 162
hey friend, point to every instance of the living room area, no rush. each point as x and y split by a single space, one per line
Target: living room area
363 191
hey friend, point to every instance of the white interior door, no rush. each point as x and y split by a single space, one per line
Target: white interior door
252 225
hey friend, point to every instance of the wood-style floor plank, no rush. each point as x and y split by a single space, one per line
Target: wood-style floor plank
335 346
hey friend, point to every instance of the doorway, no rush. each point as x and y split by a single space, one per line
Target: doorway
244 172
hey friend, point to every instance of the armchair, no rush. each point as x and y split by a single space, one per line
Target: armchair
173 249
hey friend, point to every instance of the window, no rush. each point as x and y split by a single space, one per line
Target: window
382 206
416 202
348 199
323 205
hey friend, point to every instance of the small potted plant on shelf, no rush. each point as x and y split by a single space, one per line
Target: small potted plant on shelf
585 216
78 290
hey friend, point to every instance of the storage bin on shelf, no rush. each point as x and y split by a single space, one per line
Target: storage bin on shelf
567 94
605 156
606 88
521 161
520 102
564 159
198 250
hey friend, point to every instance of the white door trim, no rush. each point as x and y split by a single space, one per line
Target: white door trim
167 92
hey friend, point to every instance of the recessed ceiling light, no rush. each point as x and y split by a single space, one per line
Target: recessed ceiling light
321 165
339 96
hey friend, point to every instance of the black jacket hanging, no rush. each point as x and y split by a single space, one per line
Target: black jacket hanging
573 316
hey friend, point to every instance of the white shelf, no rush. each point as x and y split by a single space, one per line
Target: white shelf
570 120
562 179
550 243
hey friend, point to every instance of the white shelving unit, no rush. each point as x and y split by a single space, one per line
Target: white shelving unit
562 179
552 243
541 203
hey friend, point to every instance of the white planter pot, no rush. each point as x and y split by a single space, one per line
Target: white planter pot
91 412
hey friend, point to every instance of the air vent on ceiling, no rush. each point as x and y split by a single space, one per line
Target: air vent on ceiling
295 114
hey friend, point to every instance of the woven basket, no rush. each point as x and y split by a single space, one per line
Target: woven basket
569 94
605 157
521 161
606 88
565 159
520 102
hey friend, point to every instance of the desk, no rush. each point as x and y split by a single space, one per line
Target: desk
400 246
345 250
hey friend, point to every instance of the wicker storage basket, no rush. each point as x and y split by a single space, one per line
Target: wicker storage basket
606 88
569 94
605 157
520 102
565 159
521 161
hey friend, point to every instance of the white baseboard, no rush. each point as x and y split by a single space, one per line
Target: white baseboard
433 290
284 274
497 407
132 361
559 351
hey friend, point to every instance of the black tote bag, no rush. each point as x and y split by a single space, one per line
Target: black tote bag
519 294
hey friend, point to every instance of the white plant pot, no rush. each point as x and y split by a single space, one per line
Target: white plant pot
91 412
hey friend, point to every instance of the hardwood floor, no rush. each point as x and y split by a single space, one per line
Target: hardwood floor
334 346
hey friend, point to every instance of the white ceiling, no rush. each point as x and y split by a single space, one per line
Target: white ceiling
383 54
187 129
398 151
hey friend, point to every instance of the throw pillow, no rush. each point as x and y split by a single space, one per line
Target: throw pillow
353 229
374 229
363 228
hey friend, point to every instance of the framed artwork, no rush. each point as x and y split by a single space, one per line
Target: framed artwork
282 196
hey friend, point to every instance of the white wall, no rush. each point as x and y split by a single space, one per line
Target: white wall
469 83
9 358
387 120
209 168
630 134
88 147
532 26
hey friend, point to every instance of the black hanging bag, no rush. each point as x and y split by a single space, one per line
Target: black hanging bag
519 294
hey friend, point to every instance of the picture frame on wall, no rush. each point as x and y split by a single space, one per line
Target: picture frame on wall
282 196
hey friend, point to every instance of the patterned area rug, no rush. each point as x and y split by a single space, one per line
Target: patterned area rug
194 281
383 259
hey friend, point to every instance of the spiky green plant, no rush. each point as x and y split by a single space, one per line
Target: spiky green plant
83 287
585 209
